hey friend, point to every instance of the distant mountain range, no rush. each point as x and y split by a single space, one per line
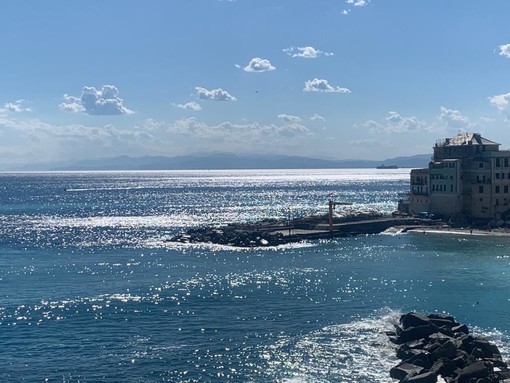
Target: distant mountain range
230 161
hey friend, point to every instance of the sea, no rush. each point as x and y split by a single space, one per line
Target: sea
93 290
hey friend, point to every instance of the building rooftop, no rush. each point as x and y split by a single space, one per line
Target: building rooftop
465 139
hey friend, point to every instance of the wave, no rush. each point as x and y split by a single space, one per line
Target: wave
354 352
357 352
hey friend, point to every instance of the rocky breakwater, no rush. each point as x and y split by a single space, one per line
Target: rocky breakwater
436 348
231 235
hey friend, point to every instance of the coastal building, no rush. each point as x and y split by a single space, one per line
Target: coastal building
468 178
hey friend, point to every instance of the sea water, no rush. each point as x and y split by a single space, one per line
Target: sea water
93 291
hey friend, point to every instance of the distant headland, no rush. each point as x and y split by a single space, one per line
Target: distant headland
218 161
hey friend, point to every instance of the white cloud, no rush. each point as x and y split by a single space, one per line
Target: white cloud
96 102
239 135
396 123
346 11
358 3
214 95
44 142
502 102
504 50
321 85
16 107
306 52
259 65
453 119
189 106
289 118
317 117
35 141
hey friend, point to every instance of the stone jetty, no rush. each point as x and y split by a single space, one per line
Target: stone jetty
436 348
275 232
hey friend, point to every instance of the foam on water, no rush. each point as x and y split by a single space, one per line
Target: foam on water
357 352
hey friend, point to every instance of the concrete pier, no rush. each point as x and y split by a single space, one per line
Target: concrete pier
281 232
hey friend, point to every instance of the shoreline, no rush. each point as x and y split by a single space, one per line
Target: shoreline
468 232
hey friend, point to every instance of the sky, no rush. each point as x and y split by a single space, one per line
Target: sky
338 79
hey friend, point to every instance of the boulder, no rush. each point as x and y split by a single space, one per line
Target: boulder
426 377
447 350
462 328
442 316
476 370
418 332
489 350
405 369
413 320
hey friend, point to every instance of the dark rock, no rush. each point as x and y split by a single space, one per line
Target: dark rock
462 328
467 341
476 370
439 336
446 331
437 346
413 320
444 367
447 350
490 350
405 369
442 316
408 349
418 332
477 353
426 377
433 345
443 322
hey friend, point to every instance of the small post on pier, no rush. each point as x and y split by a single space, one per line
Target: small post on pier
330 216
288 222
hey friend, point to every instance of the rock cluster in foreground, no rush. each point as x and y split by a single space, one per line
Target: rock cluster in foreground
435 348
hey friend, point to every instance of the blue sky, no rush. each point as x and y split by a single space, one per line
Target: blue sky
324 78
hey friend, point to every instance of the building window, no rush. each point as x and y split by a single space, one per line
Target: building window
451 188
498 162
497 176
497 202
506 162
480 189
480 165
497 189
505 189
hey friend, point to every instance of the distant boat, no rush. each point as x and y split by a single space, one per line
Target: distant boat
387 167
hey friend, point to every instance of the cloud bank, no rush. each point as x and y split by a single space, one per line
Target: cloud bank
95 102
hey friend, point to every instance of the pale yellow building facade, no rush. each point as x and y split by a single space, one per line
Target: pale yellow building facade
468 177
